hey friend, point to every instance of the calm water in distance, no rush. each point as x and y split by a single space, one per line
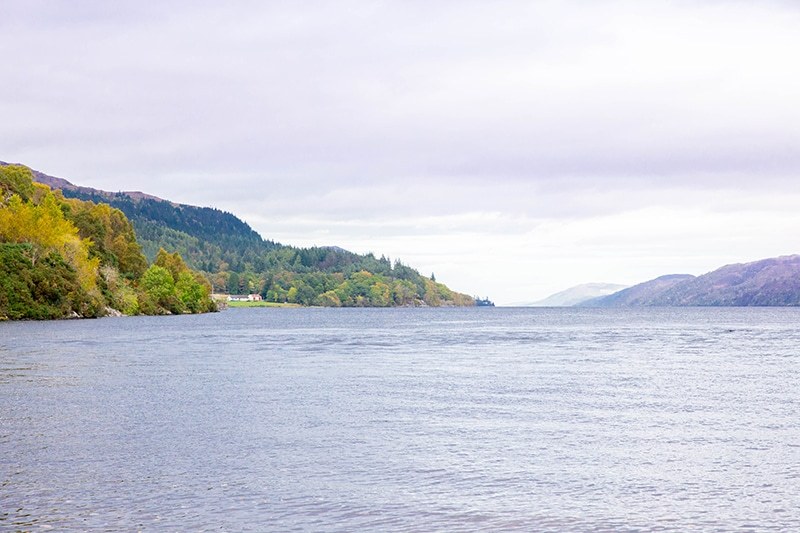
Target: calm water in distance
403 420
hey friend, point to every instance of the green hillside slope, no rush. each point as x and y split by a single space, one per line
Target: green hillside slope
205 237
238 260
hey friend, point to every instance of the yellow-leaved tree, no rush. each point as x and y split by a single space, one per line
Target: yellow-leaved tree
45 228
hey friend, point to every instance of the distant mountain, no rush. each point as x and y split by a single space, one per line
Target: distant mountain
577 295
769 282
641 294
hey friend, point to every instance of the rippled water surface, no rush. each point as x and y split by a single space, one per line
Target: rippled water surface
403 420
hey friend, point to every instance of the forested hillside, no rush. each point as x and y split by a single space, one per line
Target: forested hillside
65 257
207 238
236 259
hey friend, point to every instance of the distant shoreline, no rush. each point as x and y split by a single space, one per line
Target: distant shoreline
262 304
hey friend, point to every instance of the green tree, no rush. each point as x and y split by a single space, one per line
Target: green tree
403 292
431 296
159 288
233 283
16 179
291 295
190 292
379 294
49 289
330 299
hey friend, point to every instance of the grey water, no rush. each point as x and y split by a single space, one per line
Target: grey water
403 420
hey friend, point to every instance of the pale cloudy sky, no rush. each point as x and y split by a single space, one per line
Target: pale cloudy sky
513 148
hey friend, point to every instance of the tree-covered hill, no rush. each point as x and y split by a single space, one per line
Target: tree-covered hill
207 238
62 257
238 260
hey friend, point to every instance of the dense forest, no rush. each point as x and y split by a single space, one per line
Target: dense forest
206 238
236 260
64 257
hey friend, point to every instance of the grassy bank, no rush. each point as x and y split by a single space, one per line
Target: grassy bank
260 304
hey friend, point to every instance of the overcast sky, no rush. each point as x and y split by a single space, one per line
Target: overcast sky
512 148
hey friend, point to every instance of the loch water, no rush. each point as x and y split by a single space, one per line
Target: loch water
403 420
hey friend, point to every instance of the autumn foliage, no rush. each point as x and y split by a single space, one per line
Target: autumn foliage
64 257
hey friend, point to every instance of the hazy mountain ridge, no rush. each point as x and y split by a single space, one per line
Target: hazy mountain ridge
65 185
639 294
767 282
577 295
